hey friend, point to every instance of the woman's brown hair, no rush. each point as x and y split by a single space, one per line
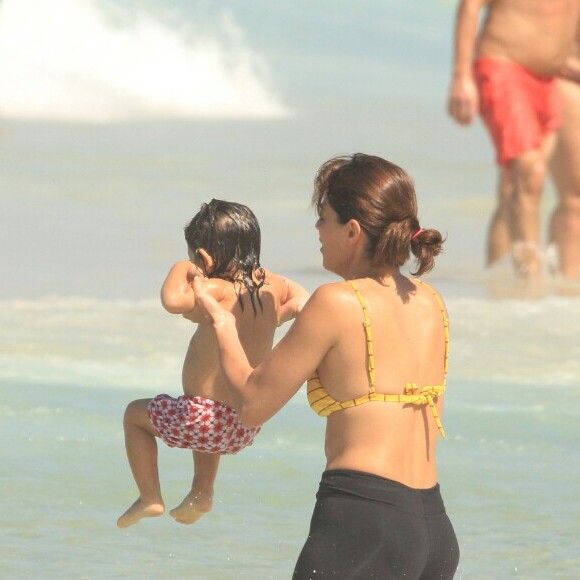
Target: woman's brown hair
380 196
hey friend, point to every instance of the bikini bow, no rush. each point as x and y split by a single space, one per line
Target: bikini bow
426 396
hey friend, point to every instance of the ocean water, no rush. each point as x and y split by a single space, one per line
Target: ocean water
106 154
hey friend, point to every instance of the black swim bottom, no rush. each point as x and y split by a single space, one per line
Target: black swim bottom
365 526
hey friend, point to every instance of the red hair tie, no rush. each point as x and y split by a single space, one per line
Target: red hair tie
417 234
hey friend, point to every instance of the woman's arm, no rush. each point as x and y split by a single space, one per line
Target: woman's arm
259 393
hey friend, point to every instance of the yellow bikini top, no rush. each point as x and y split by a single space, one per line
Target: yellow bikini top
324 404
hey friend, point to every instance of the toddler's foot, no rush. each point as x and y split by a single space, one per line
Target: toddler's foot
138 511
194 505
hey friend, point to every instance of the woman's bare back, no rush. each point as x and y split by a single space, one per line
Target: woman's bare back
394 440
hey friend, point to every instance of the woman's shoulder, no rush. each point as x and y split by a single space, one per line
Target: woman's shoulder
333 294
327 308
426 288
430 295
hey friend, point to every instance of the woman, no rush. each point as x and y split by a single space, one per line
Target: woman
374 349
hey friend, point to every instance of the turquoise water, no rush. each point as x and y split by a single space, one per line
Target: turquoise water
91 220
509 485
508 469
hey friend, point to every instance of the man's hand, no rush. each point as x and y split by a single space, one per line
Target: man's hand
463 101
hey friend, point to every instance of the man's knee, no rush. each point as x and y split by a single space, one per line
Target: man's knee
529 174
505 190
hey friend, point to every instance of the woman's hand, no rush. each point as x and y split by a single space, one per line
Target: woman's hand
209 305
193 271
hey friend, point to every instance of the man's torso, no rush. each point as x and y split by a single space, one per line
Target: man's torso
537 34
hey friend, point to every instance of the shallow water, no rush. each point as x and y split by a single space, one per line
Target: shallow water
508 468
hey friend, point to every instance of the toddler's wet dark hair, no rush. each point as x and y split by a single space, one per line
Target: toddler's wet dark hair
229 232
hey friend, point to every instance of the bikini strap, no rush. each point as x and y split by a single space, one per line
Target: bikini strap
368 337
445 325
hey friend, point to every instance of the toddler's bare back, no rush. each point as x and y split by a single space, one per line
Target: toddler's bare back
256 324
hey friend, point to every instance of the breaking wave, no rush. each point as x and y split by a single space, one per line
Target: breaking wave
72 60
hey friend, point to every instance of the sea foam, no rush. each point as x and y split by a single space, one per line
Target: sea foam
71 61
135 344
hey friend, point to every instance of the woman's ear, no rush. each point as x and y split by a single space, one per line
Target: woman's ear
208 262
353 230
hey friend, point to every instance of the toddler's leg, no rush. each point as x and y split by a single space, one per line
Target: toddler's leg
200 499
141 449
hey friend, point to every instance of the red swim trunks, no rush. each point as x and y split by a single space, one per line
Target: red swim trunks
518 107
200 424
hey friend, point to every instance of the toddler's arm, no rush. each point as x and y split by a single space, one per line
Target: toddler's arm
296 297
177 294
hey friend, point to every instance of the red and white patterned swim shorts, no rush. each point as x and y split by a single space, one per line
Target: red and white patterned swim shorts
200 424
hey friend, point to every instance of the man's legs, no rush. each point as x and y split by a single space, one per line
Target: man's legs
565 222
529 177
499 242
518 108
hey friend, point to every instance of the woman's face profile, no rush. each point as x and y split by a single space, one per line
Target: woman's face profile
331 234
